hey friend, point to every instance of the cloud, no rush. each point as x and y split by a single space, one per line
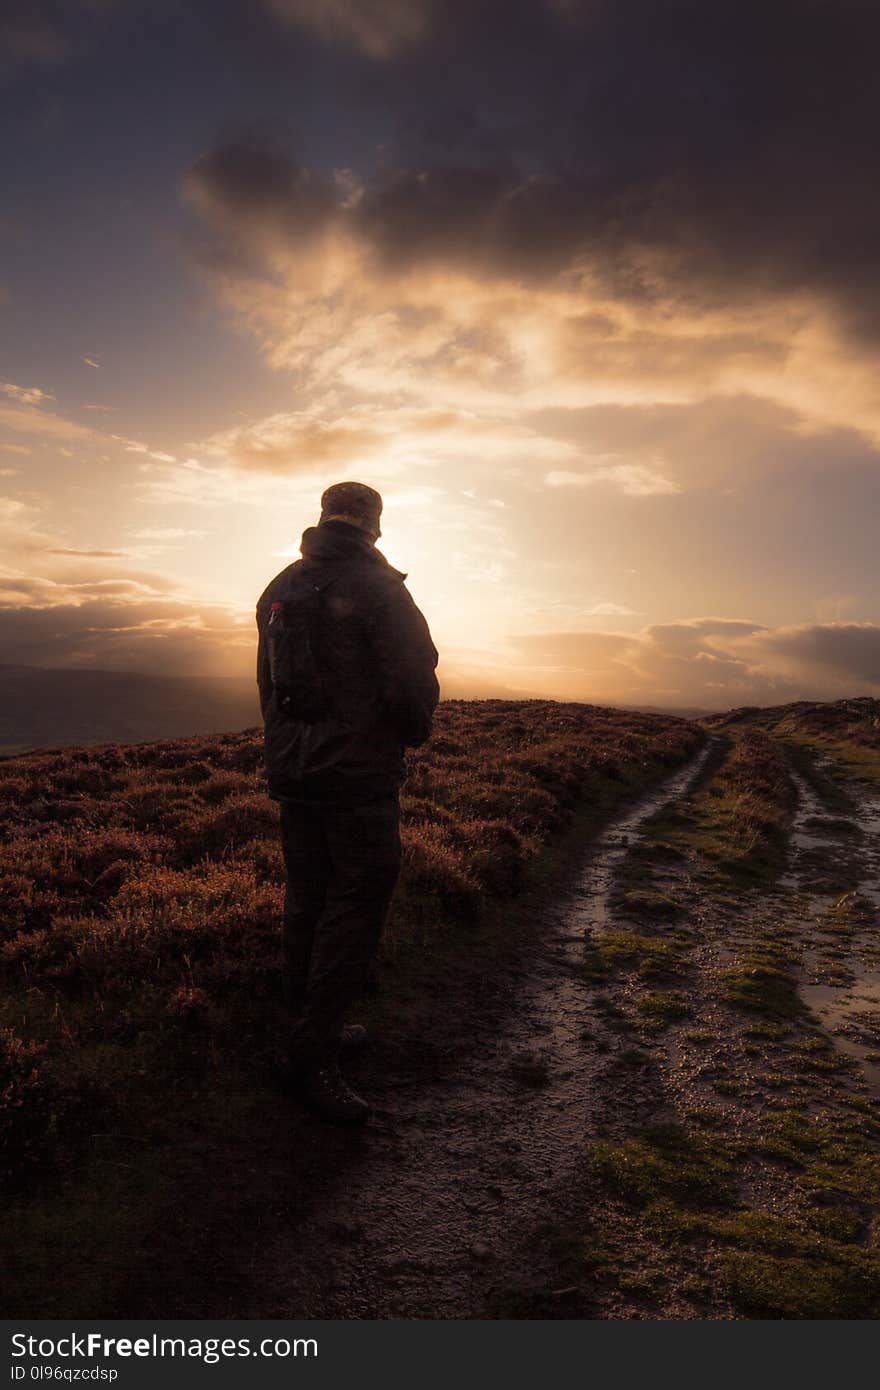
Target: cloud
31 39
571 203
91 554
131 446
25 395
107 588
88 608
731 444
711 663
384 438
28 420
729 441
839 652
263 197
40 569
610 610
286 442
381 29
167 533
214 486
120 630
385 292
669 157
66 582
633 479
20 529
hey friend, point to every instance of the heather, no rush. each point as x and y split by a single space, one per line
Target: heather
141 890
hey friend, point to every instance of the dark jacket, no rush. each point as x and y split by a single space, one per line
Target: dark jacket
377 663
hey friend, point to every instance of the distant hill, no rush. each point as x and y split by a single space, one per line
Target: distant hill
57 707
856 719
680 711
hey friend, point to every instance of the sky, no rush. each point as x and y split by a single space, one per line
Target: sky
587 289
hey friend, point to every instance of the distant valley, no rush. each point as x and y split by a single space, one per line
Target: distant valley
56 708
60 707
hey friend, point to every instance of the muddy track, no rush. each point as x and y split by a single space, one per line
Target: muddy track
474 1189
841 970
456 1166
716 1067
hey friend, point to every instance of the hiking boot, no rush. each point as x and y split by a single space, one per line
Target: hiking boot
353 1038
324 1090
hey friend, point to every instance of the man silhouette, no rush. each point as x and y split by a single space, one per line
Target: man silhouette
337 773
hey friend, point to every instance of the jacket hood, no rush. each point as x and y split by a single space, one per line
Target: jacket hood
338 540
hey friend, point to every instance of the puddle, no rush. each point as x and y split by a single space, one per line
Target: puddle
851 1014
813 847
592 899
810 836
850 1010
869 820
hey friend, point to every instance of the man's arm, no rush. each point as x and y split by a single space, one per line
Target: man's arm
406 659
264 674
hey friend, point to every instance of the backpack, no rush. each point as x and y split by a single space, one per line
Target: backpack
294 639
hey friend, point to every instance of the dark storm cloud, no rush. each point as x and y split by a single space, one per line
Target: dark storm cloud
705 152
117 631
31 36
259 186
714 662
40 35
380 28
848 650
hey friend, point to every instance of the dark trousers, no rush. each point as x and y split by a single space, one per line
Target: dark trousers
343 863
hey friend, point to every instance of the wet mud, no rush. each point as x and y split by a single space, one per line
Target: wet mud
453 1202
842 967
456 1166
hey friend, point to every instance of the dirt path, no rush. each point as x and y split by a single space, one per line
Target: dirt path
650 1091
841 966
428 1216
493 1179
774 1059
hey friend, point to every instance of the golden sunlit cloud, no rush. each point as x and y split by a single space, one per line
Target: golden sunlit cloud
25 395
589 297
90 554
635 480
307 270
26 420
388 438
710 663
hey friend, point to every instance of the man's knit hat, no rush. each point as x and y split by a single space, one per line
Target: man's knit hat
355 503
